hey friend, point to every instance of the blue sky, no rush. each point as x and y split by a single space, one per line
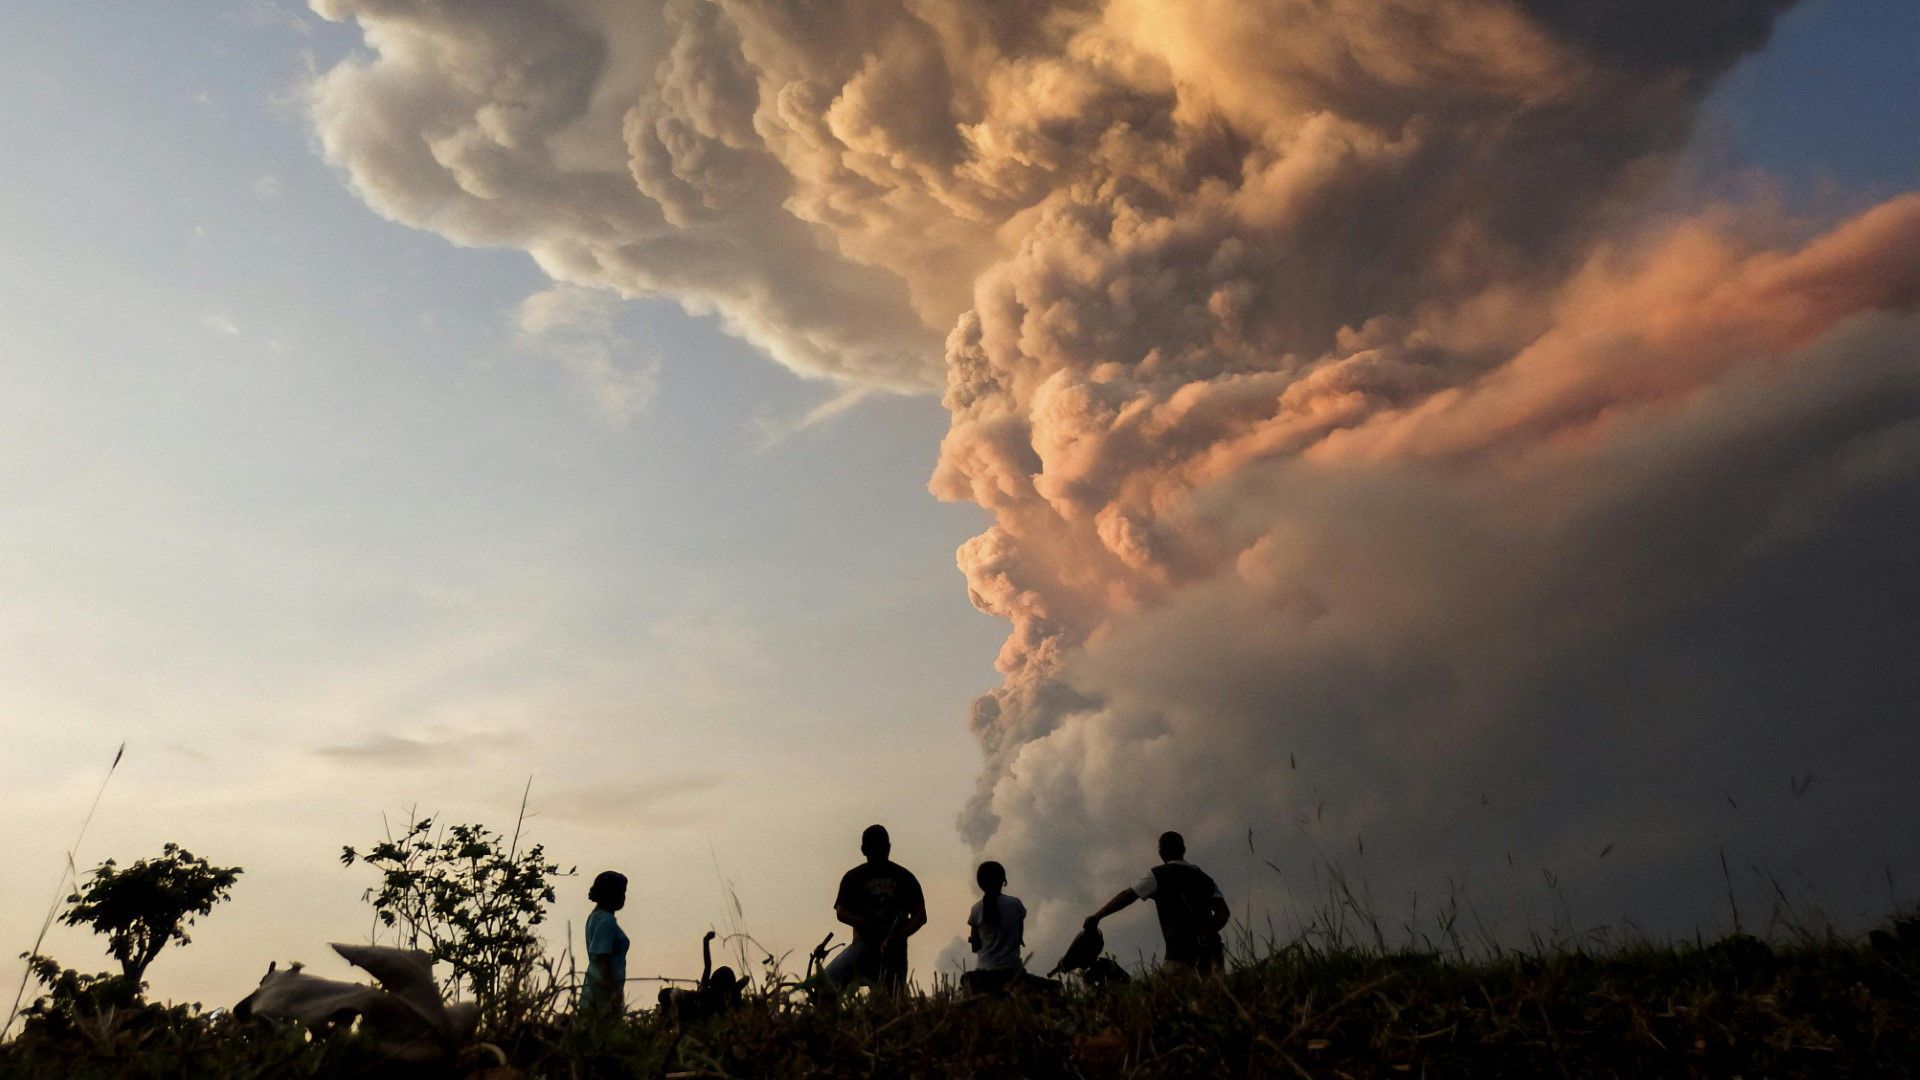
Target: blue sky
284 488
282 476
1835 98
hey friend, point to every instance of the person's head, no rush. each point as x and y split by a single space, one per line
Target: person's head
875 844
992 877
722 991
609 890
1172 846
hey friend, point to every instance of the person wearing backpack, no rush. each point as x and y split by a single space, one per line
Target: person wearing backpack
1191 908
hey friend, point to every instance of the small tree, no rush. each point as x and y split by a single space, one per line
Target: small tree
467 895
150 903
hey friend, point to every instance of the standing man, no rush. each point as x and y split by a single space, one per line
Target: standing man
882 901
1192 911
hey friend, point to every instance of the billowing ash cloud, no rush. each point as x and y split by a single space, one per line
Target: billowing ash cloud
1363 462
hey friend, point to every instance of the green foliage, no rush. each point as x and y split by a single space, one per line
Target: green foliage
1722 1010
151 1042
468 896
1737 1007
93 1015
148 904
74 998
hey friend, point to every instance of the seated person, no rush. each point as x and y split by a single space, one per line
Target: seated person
997 931
717 993
883 903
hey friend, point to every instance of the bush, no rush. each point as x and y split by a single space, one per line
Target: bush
147 905
74 1000
140 910
469 897
1740 1007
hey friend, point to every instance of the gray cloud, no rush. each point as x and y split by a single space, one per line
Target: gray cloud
396 751
1456 667
1363 460
582 134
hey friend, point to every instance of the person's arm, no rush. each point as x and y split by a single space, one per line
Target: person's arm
851 917
1219 911
916 912
706 958
1121 899
600 965
844 907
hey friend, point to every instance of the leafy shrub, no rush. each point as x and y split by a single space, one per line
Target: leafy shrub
1818 1008
140 909
74 999
469 897
147 905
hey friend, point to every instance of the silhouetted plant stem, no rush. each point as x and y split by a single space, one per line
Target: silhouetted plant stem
69 875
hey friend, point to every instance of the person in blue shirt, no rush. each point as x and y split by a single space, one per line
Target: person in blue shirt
606 982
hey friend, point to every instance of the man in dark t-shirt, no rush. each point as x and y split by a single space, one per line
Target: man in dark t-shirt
1191 909
882 901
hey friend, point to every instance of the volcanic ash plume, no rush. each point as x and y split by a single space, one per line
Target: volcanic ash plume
1366 465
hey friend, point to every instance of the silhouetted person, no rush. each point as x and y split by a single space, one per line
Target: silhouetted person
604 991
996 934
717 993
882 901
1192 911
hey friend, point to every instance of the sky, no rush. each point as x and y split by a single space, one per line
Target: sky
341 477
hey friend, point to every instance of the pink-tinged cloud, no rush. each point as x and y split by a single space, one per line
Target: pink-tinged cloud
1639 329
1361 456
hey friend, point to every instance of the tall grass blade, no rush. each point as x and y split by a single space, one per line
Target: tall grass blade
69 874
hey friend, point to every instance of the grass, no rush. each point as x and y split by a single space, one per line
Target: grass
1813 1007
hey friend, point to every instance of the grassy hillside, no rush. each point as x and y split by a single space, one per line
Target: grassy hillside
1736 1007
